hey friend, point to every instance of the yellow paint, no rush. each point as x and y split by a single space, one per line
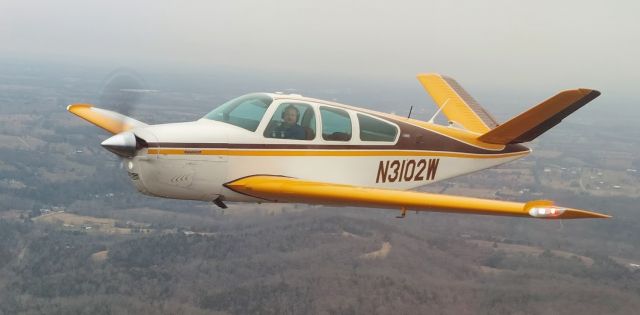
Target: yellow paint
284 189
86 112
456 109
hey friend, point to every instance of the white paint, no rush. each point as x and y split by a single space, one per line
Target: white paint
201 177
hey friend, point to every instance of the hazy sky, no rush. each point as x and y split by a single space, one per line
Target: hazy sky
500 44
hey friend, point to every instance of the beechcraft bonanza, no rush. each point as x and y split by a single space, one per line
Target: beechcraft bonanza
286 148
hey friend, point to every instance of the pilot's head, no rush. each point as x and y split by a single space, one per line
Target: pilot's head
290 115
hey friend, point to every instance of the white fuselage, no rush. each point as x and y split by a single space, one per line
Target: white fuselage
197 158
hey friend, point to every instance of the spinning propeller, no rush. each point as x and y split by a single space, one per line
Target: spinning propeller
122 90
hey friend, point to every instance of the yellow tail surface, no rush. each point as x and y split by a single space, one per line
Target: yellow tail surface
461 109
456 103
537 120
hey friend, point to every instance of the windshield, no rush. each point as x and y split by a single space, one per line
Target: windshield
245 111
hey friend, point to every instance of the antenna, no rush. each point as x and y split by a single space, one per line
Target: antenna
410 109
438 111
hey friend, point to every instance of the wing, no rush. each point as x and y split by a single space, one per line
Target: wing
456 103
286 189
110 121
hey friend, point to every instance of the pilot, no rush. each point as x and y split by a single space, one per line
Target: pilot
289 129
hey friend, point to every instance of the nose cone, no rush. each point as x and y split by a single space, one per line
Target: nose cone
122 144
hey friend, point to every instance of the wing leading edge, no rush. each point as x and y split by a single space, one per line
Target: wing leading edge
291 190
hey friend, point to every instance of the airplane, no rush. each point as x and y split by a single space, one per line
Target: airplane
287 148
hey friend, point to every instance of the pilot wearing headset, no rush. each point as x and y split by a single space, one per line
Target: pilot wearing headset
289 128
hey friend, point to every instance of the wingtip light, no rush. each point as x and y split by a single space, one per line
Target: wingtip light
555 212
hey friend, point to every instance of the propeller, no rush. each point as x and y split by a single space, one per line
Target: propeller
122 91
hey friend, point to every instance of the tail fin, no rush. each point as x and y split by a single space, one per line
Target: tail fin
456 103
534 122
110 121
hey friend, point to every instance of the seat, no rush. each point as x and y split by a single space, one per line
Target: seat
309 134
338 136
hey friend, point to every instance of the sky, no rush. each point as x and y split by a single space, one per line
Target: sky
494 45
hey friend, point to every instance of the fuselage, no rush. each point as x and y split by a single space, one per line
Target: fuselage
342 145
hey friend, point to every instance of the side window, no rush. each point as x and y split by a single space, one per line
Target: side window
372 129
336 124
292 121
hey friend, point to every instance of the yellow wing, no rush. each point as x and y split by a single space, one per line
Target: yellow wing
286 189
456 103
110 121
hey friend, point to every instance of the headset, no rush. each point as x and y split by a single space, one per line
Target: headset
294 108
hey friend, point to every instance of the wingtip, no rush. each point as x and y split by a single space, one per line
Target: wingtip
546 209
583 214
71 107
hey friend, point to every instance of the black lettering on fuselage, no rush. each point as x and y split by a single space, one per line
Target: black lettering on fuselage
422 164
401 171
407 170
395 164
382 172
433 167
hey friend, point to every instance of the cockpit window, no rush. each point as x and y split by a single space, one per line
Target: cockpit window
245 111
292 121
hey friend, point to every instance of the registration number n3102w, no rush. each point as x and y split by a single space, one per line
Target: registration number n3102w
407 170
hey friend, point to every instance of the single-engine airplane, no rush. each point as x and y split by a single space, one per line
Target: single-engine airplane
274 147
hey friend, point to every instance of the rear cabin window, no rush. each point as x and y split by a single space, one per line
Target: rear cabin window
372 129
336 124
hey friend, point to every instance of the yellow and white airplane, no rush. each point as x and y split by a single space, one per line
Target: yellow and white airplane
273 147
